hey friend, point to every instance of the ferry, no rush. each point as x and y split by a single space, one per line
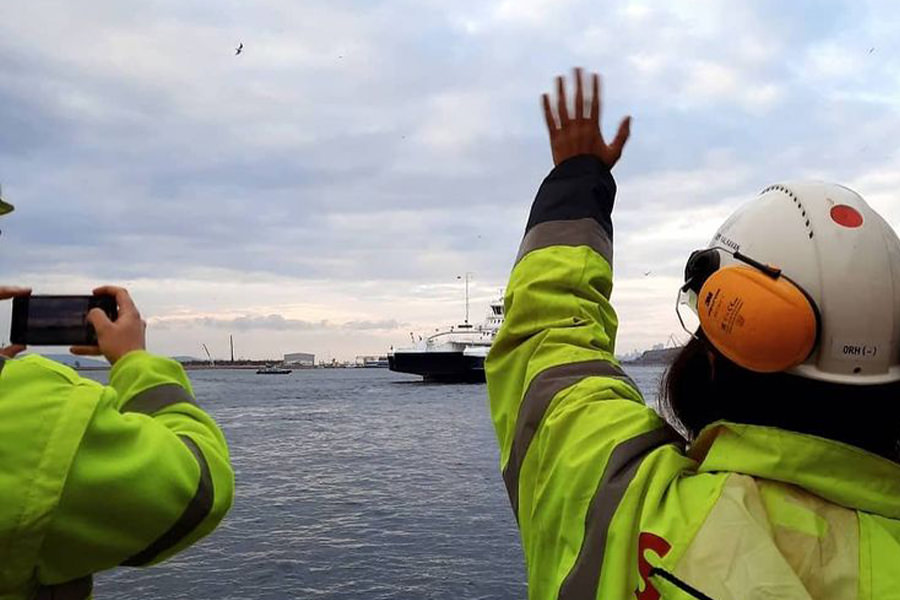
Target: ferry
455 355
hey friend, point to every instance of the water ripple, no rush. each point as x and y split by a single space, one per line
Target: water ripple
350 484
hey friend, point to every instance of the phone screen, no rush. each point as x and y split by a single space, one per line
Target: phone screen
57 320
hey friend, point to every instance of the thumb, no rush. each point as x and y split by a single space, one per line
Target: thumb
621 136
11 351
99 320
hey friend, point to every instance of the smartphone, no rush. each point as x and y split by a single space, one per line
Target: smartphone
57 320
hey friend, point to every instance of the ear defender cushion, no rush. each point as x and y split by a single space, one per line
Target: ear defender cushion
760 323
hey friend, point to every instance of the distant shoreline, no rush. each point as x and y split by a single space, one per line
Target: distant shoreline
198 367
662 357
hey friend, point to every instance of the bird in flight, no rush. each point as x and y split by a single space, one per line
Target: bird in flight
239 49
5 207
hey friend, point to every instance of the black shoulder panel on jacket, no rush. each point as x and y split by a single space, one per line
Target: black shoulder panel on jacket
579 187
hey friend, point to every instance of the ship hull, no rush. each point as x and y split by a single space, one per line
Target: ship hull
446 367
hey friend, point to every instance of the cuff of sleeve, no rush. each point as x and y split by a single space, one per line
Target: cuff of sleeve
139 370
583 164
580 187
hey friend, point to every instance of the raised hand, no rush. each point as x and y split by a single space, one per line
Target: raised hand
571 135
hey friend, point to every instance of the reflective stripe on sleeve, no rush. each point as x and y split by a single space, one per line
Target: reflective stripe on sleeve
77 589
584 577
154 399
541 391
577 232
194 514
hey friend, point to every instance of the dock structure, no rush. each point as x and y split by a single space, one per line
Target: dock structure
372 361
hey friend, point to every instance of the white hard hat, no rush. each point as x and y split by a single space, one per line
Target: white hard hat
827 240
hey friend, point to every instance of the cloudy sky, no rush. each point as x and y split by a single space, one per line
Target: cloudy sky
322 191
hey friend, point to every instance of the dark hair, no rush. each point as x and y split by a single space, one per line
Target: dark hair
702 386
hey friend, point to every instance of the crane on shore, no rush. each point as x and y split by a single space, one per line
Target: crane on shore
205 349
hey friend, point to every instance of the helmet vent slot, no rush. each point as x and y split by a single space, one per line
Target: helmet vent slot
790 194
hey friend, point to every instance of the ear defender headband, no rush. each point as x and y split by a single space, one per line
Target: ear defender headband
751 313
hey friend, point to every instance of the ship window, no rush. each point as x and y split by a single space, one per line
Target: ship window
496 310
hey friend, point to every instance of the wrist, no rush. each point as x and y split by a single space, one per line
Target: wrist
579 164
118 357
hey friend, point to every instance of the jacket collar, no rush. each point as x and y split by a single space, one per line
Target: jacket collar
837 472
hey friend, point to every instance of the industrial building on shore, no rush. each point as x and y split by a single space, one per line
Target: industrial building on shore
299 359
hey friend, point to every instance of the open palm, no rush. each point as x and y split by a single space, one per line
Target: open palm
572 135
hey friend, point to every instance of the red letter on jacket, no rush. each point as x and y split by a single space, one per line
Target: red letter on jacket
649 541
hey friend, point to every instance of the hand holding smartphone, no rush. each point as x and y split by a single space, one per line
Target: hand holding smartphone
115 338
7 292
106 323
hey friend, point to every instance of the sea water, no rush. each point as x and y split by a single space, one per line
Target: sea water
351 483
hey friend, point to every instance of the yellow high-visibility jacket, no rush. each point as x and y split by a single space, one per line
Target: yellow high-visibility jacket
609 502
92 477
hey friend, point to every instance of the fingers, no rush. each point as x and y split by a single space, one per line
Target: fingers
595 99
11 351
123 299
11 291
99 320
621 136
579 96
562 108
85 350
548 115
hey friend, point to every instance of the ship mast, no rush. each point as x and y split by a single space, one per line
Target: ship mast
467 278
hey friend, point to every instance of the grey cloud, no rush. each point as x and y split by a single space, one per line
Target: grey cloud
396 141
273 322
367 325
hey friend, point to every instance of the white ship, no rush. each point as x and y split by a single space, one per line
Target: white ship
453 355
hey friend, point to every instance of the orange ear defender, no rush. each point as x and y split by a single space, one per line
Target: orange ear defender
754 315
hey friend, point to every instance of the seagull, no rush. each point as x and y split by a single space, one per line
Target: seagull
239 49
5 207
646 273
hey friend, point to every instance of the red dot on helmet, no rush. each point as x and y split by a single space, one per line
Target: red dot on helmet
846 216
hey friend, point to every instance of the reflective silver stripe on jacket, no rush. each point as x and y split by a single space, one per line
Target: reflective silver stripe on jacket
194 514
541 391
154 399
584 577
578 232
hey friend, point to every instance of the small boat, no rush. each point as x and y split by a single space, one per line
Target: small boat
273 370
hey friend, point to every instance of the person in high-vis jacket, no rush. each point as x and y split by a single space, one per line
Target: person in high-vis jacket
93 476
780 478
